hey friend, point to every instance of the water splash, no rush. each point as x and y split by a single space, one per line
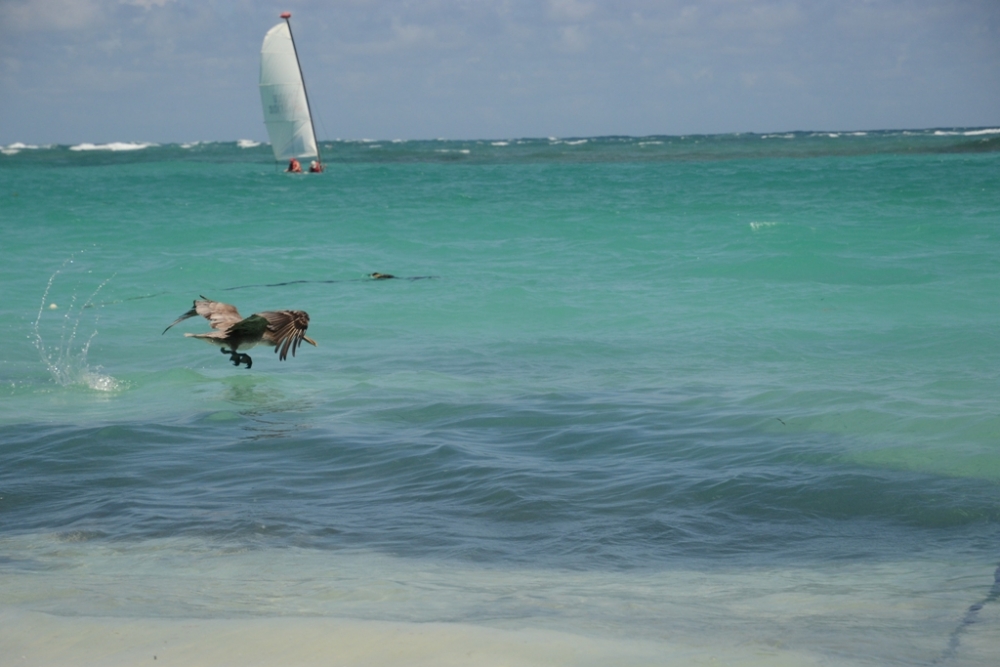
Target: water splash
67 360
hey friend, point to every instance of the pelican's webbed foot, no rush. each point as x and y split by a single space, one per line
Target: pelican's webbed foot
238 357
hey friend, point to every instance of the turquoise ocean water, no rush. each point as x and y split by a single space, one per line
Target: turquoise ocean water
736 394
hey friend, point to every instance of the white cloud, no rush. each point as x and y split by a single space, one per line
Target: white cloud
146 4
571 11
410 35
43 15
573 39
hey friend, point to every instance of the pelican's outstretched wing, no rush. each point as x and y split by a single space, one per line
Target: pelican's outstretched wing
220 315
286 329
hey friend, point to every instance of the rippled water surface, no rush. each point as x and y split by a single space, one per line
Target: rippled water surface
661 388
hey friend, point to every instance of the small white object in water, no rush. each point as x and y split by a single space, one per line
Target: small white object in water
52 306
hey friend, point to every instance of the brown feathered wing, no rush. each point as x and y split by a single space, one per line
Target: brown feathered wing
219 315
286 329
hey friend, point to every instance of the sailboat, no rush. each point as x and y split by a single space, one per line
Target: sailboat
283 96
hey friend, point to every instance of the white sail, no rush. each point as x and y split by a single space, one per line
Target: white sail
283 96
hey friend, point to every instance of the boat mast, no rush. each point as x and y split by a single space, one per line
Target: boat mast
287 16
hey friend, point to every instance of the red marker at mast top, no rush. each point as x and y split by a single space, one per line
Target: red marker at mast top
286 15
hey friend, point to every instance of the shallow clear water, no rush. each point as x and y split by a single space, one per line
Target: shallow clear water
662 388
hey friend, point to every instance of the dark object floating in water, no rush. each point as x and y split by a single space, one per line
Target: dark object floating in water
284 329
368 276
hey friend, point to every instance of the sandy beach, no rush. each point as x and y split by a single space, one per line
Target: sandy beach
31 638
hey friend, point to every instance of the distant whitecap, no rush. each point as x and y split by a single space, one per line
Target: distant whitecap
247 143
16 148
976 133
113 146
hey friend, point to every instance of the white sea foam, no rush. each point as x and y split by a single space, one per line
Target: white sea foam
190 144
499 143
976 133
463 151
577 142
944 133
113 146
650 143
17 147
778 136
247 143
756 226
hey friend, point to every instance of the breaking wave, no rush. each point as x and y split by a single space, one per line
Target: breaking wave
113 146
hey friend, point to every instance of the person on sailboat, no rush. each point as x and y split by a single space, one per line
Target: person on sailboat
316 167
294 166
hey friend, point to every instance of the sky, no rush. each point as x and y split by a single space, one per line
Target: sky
99 71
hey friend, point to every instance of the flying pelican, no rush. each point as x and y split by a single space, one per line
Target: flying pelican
284 329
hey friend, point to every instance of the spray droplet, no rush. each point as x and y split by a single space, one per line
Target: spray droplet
52 306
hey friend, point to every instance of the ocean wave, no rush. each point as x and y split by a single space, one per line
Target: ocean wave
113 146
976 133
247 143
17 147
